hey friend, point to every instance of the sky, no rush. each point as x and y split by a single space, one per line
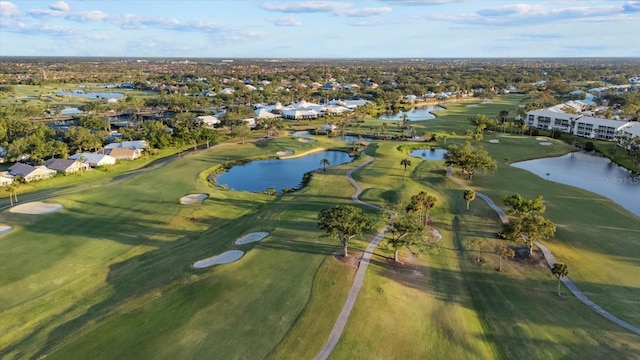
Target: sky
320 29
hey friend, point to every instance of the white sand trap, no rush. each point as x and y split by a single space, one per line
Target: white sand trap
472 105
301 133
36 208
224 258
542 139
284 153
306 140
251 237
494 141
545 143
192 199
435 235
5 229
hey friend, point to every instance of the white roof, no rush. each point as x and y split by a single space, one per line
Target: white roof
93 158
208 119
632 128
136 144
265 114
601 122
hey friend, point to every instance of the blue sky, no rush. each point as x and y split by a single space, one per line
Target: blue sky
320 29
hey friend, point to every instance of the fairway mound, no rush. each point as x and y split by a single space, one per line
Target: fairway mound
284 153
494 141
192 199
5 229
251 237
545 143
224 258
36 208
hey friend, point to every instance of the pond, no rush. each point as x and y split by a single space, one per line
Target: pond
424 113
429 154
279 174
91 94
71 111
352 138
589 172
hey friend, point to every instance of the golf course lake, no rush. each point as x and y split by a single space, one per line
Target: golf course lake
91 94
279 174
424 113
590 172
429 154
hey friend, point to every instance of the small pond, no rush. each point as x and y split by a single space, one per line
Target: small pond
424 113
589 172
91 94
352 138
429 154
279 174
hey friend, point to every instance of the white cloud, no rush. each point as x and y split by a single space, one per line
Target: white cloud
330 7
88 16
285 21
8 9
59 6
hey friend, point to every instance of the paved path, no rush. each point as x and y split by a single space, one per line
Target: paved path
548 256
341 322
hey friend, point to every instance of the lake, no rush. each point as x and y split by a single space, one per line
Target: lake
91 94
279 174
424 113
589 172
429 154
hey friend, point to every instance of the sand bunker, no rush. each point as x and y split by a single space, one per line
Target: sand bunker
5 229
251 237
545 143
435 235
542 139
224 258
192 199
494 141
472 105
36 208
306 140
284 153
301 133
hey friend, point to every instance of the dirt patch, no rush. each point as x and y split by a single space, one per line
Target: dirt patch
523 257
36 208
353 260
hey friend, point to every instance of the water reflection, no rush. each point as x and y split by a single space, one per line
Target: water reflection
593 173
424 113
279 174
429 154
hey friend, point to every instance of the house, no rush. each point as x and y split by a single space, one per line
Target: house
31 173
135 144
300 114
65 166
263 113
123 153
6 179
95 160
208 121
629 130
227 91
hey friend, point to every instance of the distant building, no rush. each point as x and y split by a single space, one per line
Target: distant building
580 125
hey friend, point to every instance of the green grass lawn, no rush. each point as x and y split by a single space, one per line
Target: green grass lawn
110 276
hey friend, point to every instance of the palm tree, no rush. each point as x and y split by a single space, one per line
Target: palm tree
324 162
11 189
559 270
405 162
469 196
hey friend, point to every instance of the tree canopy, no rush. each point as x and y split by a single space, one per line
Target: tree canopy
344 222
469 159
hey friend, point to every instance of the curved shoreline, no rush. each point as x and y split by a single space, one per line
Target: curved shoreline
308 152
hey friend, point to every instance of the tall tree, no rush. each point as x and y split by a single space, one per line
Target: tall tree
421 204
521 206
344 222
405 230
559 270
324 162
405 162
469 159
529 229
477 243
469 196
504 251
241 131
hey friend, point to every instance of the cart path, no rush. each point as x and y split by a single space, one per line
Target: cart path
341 322
548 256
